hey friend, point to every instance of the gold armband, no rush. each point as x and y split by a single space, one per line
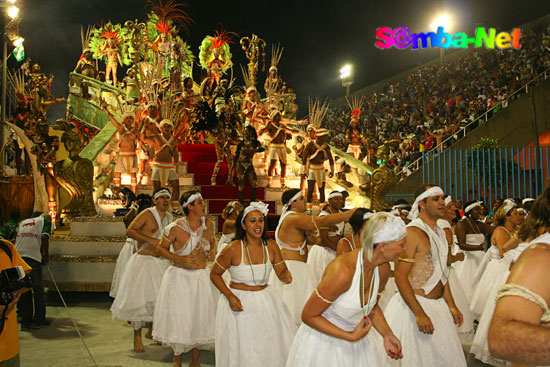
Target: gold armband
279 263
321 297
407 260
315 225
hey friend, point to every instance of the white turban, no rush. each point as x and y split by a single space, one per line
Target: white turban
432 191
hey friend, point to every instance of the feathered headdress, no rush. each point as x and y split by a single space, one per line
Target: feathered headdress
168 13
146 85
169 109
355 105
276 53
247 80
85 39
317 112
19 88
221 38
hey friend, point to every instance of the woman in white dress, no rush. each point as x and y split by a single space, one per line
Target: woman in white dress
470 233
337 319
507 219
253 326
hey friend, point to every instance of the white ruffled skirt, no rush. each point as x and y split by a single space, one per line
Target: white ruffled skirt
124 255
492 274
480 346
295 294
139 285
185 311
259 336
442 348
318 259
466 271
466 330
316 349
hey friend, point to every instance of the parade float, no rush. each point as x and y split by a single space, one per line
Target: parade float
77 169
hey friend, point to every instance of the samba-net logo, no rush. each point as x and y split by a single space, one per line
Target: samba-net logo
402 38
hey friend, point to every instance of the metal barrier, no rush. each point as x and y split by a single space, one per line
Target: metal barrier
488 173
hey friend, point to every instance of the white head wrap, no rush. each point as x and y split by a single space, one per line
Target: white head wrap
273 67
191 199
166 122
448 199
334 194
128 113
526 200
508 205
432 191
293 199
250 89
310 127
162 192
470 207
255 205
394 229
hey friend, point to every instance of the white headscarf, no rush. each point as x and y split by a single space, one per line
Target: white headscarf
394 229
255 205
286 206
191 199
432 191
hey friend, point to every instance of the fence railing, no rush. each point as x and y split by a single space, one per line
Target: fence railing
489 173
415 165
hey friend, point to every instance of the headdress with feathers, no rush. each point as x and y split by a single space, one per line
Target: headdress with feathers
355 105
317 112
85 39
169 13
247 80
19 88
276 53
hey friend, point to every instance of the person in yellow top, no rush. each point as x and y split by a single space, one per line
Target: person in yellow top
9 339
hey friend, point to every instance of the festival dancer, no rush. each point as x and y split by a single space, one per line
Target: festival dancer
421 314
129 136
185 311
277 146
323 253
273 83
137 293
314 156
165 160
250 107
351 242
522 336
342 309
244 166
299 150
291 237
111 49
470 232
253 326
149 121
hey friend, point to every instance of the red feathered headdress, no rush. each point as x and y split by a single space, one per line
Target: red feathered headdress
221 38
170 11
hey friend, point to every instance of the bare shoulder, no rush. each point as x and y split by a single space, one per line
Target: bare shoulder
384 271
339 273
416 234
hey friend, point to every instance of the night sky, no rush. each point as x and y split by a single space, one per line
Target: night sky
318 36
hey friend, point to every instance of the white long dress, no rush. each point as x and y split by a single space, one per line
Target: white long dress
185 310
465 270
140 282
491 271
261 334
123 257
480 347
316 349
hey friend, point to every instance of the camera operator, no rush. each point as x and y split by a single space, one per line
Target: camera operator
32 243
9 340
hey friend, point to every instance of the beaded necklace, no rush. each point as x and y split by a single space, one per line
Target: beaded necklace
365 315
264 261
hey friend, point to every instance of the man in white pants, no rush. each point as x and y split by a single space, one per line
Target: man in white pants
421 315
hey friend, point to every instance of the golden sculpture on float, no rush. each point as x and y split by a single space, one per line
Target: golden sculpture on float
74 174
251 47
382 180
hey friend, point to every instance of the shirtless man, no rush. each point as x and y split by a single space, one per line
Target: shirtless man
250 107
166 160
127 159
186 289
277 146
148 123
314 157
519 329
422 312
139 285
291 236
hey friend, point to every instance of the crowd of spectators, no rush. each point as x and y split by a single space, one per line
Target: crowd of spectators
437 102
